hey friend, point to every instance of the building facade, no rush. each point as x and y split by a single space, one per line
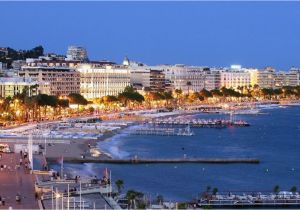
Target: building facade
147 78
266 78
234 79
59 81
212 79
97 81
11 86
185 78
77 53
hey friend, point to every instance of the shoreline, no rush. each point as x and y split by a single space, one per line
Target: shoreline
106 155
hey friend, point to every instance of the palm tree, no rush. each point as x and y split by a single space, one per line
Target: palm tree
119 183
189 83
208 188
178 93
276 189
160 199
215 190
293 189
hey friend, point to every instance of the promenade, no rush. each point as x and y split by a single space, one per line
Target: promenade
160 161
13 181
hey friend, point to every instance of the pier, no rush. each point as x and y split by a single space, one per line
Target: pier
163 131
161 161
201 123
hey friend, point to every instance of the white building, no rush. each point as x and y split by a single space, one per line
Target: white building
266 78
77 53
290 78
185 78
97 81
235 77
11 86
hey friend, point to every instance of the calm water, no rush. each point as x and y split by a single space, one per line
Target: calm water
274 138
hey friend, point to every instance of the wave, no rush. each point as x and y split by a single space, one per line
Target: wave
113 145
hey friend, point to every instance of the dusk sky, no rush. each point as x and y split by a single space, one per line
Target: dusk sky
253 34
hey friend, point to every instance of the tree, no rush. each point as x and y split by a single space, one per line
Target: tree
130 95
276 189
229 92
131 196
293 189
216 93
76 98
119 183
188 84
205 93
159 199
215 191
178 93
208 188
181 206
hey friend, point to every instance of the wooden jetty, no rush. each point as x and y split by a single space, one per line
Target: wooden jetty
200 123
159 160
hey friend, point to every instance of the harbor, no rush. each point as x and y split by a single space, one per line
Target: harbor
200 123
163 131
250 200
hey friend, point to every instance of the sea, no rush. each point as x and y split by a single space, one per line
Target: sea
273 137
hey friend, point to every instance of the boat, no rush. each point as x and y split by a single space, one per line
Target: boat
186 132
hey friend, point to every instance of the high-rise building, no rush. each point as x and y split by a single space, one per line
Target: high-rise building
77 53
97 80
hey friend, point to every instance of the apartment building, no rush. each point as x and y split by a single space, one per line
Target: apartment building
59 81
11 86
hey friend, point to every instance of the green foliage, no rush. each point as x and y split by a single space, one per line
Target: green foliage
21 54
208 188
205 93
159 199
129 94
216 93
182 206
76 98
228 92
276 189
119 183
141 206
215 190
293 189
132 194
63 103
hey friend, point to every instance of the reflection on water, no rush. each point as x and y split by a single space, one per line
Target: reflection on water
273 138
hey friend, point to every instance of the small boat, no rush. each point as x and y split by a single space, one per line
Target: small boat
186 132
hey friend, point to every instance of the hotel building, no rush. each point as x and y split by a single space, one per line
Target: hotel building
59 81
97 80
235 78
185 78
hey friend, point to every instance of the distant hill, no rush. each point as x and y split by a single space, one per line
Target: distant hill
7 55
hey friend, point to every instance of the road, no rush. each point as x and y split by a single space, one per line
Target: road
13 181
